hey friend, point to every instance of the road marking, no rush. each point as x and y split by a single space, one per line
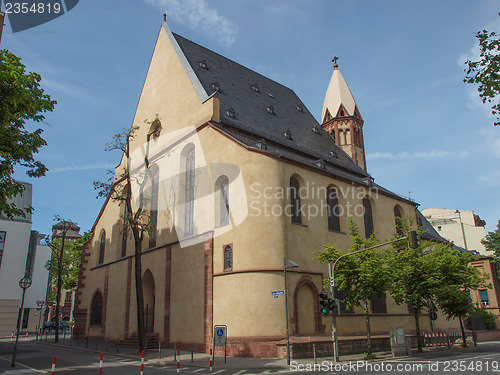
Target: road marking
266 372
240 372
23 365
200 369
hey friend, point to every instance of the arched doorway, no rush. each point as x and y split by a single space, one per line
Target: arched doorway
148 289
306 311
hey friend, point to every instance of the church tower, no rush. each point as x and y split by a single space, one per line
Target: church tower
341 118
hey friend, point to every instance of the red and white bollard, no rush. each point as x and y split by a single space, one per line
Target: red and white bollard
12 336
100 364
26 335
178 360
142 363
53 365
211 360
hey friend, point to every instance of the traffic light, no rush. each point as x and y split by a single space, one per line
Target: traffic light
325 303
414 240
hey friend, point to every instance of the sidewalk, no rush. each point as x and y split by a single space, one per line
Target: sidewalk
202 360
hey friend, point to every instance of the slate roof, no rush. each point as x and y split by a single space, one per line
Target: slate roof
254 107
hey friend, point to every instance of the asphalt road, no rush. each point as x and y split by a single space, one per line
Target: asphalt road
36 358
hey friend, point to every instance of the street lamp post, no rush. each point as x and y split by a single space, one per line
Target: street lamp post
290 264
24 283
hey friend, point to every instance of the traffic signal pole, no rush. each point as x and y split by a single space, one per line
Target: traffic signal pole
331 271
334 315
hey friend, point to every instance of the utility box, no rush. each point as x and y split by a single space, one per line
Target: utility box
400 344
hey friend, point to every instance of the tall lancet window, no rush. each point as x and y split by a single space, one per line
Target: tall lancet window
368 216
189 193
222 201
295 201
332 203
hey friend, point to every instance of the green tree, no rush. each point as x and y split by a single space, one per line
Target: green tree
362 276
70 266
136 215
492 242
21 100
411 274
486 71
453 278
59 246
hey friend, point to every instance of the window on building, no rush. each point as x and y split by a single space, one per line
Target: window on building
96 310
222 201
228 258
368 217
189 193
155 182
102 246
378 304
332 203
2 245
341 295
397 220
411 310
295 201
485 301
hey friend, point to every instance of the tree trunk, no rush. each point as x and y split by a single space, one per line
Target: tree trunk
417 329
59 283
368 329
141 328
464 339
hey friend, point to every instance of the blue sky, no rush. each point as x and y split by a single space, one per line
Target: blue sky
427 135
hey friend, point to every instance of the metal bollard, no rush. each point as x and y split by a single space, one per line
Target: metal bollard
175 352
86 342
192 352
159 349
314 352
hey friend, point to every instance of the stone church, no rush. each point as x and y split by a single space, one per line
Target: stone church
243 178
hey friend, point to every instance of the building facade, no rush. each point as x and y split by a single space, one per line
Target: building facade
464 228
21 254
238 176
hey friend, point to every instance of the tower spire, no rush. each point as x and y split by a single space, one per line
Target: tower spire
341 117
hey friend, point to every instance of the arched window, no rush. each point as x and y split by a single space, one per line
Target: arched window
228 258
154 204
102 246
189 193
96 310
397 220
222 201
295 201
368 217
332 203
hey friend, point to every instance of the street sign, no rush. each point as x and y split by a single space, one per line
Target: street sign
278 293
220 336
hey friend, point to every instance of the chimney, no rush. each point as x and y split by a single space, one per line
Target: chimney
165 17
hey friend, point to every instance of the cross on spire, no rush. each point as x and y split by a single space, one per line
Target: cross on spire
335 65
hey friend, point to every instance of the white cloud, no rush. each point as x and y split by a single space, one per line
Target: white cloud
82 167
489 180
197 14
433 154
492 137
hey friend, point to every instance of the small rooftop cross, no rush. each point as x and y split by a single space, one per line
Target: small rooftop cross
335 65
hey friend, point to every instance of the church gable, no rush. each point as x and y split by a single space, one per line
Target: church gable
171 92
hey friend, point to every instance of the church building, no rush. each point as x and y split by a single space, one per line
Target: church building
243 178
